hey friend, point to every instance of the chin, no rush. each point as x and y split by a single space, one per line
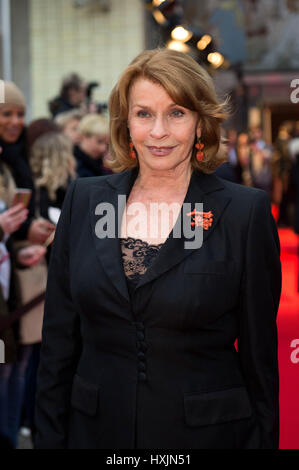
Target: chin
162 163
10 139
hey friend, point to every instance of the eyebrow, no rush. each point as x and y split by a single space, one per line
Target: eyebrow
140 105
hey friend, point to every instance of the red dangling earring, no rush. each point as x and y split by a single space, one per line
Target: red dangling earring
132 151
199 154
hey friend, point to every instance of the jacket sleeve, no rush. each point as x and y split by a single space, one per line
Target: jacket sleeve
61 342
257 342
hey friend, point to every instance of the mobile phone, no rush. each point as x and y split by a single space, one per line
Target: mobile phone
22 195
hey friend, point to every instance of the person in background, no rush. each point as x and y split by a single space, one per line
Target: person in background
13 142
260 161
44 156
281 169
72 95
294 142
37 128
53 168
227 169
93 147
13 372
294 152
232 136
69 122
242 169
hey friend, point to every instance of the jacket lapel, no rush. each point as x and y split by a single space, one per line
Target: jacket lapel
204 189
108 249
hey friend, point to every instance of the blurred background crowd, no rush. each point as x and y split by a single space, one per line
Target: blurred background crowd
37 163
60 59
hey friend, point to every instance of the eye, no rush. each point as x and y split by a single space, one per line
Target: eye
142 114
177 113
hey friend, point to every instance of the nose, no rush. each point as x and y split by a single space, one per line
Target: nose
16 120
159 128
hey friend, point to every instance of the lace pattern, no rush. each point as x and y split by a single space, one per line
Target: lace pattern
137 256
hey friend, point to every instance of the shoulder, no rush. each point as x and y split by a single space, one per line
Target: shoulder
81 188
86 183
239 194
245 193
245 202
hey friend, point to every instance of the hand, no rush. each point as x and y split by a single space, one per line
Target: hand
12 218
40 230
31 255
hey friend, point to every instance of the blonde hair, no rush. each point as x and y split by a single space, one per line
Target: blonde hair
52 162
189 85
63 119
94 124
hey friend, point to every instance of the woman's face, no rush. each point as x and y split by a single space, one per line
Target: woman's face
162 132
11 123
77 96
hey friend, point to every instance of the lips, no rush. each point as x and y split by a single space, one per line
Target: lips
14 131
160 151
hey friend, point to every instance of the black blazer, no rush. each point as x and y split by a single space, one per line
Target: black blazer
160 369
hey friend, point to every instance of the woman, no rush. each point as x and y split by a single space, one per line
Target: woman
151 362
69 124
52 165
12 373
243 167
13 143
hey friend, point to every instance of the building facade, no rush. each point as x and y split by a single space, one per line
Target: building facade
52 38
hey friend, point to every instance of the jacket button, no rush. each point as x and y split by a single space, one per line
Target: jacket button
139 326
142 376
141 366
140 335
141 355
142 346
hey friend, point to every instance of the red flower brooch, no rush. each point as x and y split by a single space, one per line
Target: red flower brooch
201 219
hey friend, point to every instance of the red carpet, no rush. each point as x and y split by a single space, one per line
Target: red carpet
288 331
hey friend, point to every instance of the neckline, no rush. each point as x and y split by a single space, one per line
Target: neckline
142 241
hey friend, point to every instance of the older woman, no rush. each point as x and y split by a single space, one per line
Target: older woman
149 290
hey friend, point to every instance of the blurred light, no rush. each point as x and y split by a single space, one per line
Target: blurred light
157 3
179 33
204 42
216 59
226 64
178 46
159 17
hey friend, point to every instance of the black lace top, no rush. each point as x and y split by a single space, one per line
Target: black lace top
137 256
